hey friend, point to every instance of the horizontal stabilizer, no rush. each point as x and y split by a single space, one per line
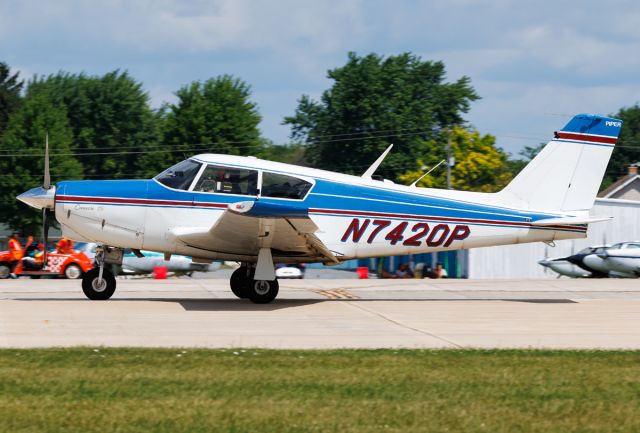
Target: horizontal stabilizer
569 221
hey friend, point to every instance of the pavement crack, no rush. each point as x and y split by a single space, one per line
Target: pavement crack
402 325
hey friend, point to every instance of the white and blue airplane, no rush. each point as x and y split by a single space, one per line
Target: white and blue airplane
145 262
256 212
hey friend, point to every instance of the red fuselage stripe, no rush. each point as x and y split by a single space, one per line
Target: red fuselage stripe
137 201
433 218
70 198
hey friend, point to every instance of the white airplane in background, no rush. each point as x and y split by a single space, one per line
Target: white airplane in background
564 267
622 258
145 262
223 207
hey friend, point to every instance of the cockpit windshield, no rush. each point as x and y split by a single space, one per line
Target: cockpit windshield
181 175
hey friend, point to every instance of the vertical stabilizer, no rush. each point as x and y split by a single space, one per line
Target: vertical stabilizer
567 173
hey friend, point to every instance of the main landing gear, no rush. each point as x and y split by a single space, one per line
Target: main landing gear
99 284
244 286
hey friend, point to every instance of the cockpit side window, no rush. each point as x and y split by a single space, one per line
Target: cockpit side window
227 180
181 175
283 186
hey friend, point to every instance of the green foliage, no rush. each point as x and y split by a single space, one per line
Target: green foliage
10 87
479 165
106 114
212 116
627 150
515 166
25 135
375 101
292 153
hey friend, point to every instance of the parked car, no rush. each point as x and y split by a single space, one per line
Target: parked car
290 271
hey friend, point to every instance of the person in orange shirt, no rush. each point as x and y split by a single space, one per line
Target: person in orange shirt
64 246
15 248
16 252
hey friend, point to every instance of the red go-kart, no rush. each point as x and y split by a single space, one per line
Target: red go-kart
71 266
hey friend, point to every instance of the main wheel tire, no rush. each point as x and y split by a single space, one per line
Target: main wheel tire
5 271
96 291
72 272
240 282
263 291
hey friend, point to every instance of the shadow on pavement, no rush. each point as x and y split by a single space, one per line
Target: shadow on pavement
199 304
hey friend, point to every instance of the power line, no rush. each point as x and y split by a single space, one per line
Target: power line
199 148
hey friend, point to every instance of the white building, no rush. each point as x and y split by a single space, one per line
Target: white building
521 261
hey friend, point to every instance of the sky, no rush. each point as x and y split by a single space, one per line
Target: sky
534 64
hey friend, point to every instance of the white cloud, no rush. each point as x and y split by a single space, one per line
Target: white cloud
524 58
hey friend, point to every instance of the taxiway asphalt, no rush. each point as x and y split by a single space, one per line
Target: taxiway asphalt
327 313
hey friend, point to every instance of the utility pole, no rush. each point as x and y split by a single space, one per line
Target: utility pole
449 158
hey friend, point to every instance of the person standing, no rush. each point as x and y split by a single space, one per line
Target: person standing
64 246
15 251
15 248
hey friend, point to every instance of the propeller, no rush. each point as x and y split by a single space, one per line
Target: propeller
46 184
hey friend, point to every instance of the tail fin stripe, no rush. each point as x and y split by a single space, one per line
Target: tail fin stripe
589 138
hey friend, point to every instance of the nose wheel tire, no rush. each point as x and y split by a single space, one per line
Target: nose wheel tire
98 290
263 291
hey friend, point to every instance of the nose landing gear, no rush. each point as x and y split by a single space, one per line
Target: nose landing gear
99 283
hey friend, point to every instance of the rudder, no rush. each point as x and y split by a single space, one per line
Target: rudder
566 175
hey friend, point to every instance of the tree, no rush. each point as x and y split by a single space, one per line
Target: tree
479 165
213 116
515 166
110 118
375 101
20 170
627 150
10 87
292 153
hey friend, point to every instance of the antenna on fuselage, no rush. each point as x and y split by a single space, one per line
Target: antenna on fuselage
413 185
367 174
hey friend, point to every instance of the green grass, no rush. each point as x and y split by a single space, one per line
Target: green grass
126 390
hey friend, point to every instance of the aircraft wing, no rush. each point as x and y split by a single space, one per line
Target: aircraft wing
247 226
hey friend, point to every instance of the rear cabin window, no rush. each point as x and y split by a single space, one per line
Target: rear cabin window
180 176
282 186
226 180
